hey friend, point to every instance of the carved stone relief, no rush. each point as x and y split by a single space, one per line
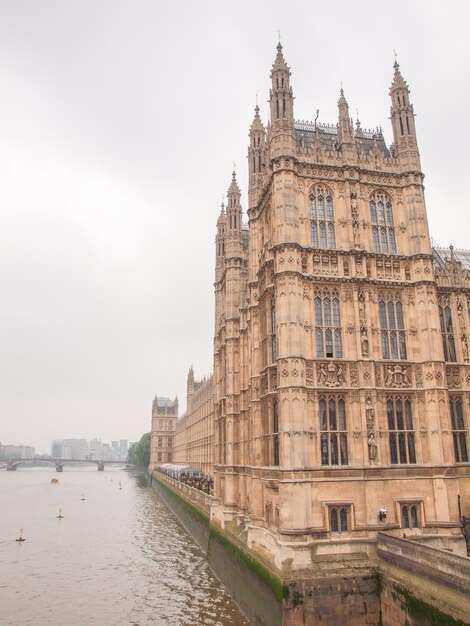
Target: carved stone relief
330 375
396 376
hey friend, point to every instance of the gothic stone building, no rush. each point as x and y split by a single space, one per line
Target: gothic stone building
194 438
341 362
164 416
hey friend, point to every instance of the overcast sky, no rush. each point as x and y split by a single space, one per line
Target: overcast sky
119 125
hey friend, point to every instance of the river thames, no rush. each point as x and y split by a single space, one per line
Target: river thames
118 557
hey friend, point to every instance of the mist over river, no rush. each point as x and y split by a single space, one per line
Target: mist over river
118 557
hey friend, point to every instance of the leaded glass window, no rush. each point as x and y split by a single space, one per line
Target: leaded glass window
339 519
322 221
383 228
409 516
275 433
392 327
333 435
447 330
328 324
401 432
459 433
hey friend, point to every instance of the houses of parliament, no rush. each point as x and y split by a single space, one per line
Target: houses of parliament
339 403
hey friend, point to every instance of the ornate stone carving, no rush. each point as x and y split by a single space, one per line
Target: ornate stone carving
378 375
372 447
330 375
353 376
453 377
355 222
309 374
397 376
419 376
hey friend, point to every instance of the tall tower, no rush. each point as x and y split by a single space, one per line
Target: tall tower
332 403
403 124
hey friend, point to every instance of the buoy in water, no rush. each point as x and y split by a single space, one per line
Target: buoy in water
21 538
60 516
83 497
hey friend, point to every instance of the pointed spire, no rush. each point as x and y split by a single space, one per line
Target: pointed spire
398 80
279 61
345 129
342 99
234 188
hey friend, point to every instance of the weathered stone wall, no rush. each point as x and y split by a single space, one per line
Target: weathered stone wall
407 583
331 601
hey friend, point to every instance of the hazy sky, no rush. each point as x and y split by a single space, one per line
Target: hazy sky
119 125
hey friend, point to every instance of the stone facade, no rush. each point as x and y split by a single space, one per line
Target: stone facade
194 437
164 416
341 385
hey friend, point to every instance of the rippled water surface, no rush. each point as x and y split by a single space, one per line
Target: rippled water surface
118 557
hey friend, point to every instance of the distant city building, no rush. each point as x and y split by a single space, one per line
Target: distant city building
79 450
164 416
9 452
72 449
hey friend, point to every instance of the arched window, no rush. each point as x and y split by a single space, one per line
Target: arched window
458 430
400 429
447 330
275 433
328 324
410 516
383 229
322 221
339 522
333 434
392 327
273 335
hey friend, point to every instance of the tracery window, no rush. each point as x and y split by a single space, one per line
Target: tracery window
447 330
322 221
328 324
410 516
401 432
459 433
333 435
339 521
383 229
392 327
275 433
273 335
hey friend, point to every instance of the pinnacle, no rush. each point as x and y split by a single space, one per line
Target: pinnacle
279 61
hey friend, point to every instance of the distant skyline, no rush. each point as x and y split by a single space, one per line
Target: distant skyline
119 126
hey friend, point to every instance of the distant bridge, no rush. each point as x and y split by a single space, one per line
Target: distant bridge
59 463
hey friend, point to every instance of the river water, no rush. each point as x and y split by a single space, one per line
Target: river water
118 557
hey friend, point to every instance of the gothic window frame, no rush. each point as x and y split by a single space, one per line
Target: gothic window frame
392 327
459 432
383 226
276 457
273 338
339 517
327 316
333 430
401 431
410 514
322 218
447 329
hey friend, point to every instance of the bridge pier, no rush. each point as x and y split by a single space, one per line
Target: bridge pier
11 467
101 466
59 467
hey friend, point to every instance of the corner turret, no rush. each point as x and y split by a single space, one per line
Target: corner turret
405 146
